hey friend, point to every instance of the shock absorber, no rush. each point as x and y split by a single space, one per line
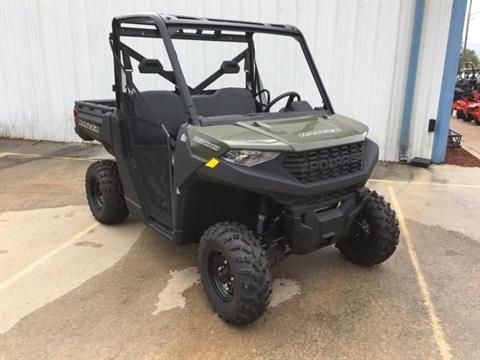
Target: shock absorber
262 215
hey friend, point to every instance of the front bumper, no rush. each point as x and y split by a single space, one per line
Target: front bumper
311 227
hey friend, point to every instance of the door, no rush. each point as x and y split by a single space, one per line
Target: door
152 155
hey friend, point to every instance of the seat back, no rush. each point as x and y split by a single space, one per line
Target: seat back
154 108
226 101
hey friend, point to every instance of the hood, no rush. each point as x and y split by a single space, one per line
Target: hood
309 132
299 133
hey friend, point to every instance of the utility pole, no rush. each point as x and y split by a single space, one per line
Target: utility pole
466 32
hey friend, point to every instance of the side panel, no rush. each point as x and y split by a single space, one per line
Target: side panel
185 186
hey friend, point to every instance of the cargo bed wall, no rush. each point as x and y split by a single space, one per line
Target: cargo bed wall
92 120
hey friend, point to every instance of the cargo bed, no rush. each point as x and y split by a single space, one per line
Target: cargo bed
92 119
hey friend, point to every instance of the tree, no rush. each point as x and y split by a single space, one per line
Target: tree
470 56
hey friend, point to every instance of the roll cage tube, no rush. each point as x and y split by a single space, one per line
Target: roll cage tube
126 66
128 53
181 84
170 26
313 69
217 74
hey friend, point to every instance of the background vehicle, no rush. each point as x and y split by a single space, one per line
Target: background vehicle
466 102
467 81
220 165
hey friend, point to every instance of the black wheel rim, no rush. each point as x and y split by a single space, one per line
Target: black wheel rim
96 193
361 232
221 275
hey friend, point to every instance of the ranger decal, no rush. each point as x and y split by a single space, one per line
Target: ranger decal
88 126
320 132
206 143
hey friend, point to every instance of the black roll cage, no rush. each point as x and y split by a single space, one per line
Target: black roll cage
168 27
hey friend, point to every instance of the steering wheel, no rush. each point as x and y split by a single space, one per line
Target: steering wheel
292 95
267 93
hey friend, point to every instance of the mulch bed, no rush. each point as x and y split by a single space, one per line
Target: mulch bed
458 156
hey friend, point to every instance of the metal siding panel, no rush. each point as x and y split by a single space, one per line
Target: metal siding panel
399 80
360 47
387 51
429 76
369 51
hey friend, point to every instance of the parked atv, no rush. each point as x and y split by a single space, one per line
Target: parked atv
222 167
460 106
468 81
467 107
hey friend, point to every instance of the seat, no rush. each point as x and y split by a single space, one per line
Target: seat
153 108
225 101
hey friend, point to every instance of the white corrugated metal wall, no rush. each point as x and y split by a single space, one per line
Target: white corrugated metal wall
429 76
53 52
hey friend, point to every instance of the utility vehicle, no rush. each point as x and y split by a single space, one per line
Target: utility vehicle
227 166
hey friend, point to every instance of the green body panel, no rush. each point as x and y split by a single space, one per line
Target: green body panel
282 135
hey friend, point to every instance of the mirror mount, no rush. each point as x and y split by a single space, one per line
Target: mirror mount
150 66
229 67
154 66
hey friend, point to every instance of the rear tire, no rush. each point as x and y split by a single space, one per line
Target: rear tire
235 273
374 233
105 192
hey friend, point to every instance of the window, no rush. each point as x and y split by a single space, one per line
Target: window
200 59
150 48
283 67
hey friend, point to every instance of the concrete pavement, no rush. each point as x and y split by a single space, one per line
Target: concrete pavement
72 289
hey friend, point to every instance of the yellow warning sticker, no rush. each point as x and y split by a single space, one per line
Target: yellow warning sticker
212 163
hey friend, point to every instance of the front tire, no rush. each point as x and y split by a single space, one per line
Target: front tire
235 273
105 192
374 233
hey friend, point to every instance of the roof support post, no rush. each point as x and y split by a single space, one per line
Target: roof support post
411 79
444 112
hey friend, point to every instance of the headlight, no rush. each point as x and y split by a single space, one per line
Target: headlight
249 157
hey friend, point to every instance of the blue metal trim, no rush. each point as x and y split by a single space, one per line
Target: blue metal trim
457 20
411 78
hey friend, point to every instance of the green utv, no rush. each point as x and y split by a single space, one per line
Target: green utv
253 179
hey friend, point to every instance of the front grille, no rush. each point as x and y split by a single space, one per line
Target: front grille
315 165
